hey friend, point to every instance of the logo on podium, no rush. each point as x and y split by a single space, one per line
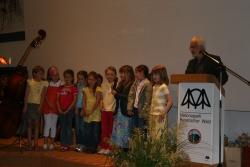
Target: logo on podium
194 136
196 97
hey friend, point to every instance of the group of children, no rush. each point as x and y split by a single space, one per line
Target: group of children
104 113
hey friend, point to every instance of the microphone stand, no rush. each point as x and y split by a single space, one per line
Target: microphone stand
221 67
227 69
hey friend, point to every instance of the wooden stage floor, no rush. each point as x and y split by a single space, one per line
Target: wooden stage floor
13 156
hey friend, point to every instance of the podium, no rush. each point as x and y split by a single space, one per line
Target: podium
198 117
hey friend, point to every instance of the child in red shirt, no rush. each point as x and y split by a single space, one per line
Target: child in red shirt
50 111
66 100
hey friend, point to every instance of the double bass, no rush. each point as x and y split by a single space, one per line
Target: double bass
12 90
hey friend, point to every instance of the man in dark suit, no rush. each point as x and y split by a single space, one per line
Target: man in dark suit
201 64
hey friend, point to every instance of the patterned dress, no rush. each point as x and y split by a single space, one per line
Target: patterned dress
121 130
122 123
158 104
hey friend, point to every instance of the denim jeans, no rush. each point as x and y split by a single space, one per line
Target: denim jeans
79 126
66 128
92 135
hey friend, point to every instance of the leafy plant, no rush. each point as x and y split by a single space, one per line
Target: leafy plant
162 151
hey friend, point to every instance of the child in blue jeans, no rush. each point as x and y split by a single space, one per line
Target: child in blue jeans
66 100
79 123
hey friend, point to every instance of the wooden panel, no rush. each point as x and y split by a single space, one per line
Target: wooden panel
201 165
206 78
192 164
245 157
195 78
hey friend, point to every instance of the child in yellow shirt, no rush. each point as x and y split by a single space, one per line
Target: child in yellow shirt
33 98
91 112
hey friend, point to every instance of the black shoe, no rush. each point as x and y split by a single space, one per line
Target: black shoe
125 149
91 151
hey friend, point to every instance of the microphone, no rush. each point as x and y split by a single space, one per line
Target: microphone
204 53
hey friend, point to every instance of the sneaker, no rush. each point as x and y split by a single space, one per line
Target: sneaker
45 146
51 147
78 148
36 148
91 151
29 148
62 148
66 148
107 152
102 151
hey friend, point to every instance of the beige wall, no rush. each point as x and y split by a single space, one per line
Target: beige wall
92 34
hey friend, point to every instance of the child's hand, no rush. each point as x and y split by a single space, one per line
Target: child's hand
130 113
92 112
113 92
25 108
77 111
60 111
52 106
66 111
39 109
161 117
166 109
81 114
85 114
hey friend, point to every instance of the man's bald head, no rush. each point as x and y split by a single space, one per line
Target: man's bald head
197 40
